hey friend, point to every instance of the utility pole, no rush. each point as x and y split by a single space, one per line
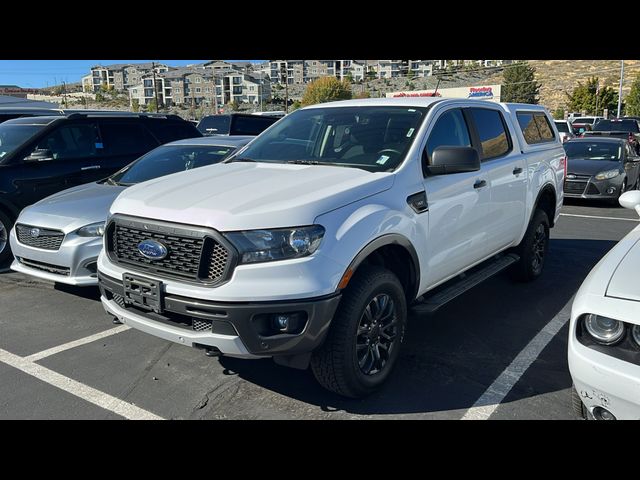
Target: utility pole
261 90
155 84
620 89
64 94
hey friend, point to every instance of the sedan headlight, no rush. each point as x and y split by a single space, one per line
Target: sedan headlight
604 330
607 175
93 230
278 244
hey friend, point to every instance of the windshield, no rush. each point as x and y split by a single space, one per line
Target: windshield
593 150
12 136
214 125
373 138
169 159
562 127
616 126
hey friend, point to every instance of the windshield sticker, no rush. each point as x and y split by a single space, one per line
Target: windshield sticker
99 145
382 160
410 132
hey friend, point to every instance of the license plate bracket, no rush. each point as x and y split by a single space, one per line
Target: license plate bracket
142 293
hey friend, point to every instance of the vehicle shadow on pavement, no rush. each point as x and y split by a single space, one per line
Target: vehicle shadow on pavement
451 357
90 293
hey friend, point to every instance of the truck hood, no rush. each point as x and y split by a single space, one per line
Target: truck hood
72 208
581 166
624 282
248 195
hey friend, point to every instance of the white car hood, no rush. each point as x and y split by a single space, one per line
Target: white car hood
247 195
625 281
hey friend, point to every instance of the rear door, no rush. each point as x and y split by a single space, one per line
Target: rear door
504 170
124 140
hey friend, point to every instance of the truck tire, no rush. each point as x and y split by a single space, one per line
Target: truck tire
5 249
576 404
364 340
532 249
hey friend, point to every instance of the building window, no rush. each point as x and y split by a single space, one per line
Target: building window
207 90
198 90
148 83
237 90
198 80
237 80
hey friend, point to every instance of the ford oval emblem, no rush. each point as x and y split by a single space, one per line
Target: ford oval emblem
152 250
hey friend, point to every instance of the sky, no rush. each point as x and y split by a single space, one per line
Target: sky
43 73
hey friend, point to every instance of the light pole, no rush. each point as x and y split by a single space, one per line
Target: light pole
620 89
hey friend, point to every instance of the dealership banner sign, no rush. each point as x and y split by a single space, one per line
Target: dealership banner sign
482 92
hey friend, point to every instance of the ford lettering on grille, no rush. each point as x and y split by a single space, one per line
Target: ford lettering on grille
152 250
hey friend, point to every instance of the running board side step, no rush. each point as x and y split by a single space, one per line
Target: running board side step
464 282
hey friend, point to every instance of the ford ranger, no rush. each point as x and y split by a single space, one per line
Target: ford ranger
311 244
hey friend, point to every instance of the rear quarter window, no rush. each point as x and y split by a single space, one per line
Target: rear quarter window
535 127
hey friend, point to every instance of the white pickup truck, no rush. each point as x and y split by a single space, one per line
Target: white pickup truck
311 243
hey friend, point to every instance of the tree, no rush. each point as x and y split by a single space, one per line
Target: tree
519 84
632 100
558 113
326 89
583 97
234 106
296 105
135 105
363 94
348 78
151 106
410 74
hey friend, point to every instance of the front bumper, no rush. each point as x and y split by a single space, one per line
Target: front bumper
74 263
236 328
592 189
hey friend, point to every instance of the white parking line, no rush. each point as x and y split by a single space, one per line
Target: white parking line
76 343
602 218
498 390
101 399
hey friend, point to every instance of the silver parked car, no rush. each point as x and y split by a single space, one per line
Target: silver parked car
59 238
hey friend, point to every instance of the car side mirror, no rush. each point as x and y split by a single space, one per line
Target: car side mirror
39 155
631 200
446 160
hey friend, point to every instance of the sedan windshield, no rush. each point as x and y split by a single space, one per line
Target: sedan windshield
169 159
593 150
12 136
373 138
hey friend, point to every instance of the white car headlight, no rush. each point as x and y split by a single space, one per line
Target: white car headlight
604 330
93 230
607 175
279 244
635 333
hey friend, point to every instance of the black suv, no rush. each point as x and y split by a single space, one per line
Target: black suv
235 124
40 156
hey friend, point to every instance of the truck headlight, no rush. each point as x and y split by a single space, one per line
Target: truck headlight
607 175
604 330
93 230
278 244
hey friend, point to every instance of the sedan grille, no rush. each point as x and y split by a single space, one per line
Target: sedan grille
39 237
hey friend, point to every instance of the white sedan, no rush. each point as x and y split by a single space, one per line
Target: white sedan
604 333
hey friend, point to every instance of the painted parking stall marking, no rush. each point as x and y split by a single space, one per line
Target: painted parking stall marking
598 217
498 390
76 343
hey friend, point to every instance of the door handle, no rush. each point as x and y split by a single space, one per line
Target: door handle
92 167
517 171
480 184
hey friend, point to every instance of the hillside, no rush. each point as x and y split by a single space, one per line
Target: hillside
559 77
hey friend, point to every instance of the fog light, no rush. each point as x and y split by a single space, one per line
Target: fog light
290 322
611 190
600 413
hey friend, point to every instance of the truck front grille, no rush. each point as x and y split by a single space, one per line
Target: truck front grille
197 255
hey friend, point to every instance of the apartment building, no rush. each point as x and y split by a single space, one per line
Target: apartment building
146 91
119 76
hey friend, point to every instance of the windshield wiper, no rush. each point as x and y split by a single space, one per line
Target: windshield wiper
240 159
308 162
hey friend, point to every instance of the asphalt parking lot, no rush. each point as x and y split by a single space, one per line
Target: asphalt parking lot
497 352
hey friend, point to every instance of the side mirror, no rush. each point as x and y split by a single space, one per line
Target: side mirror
39 155
446 160
631 200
